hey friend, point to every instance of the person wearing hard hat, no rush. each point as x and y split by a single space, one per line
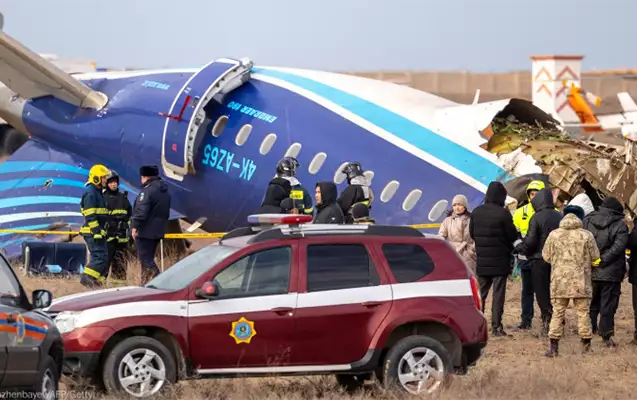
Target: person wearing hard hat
95 213
521 219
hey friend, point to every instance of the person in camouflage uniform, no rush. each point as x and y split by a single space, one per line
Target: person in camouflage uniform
570 250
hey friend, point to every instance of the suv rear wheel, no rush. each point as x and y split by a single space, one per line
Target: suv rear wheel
139 366
417 364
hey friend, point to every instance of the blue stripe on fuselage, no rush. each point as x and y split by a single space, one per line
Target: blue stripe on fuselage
438 146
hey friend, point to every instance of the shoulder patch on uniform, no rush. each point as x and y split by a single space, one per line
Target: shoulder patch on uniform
142 195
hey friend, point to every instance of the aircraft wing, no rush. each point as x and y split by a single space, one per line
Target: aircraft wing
30 76
40 189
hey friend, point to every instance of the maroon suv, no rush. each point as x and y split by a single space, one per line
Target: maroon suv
349 300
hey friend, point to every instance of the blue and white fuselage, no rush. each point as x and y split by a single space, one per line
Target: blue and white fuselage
417 148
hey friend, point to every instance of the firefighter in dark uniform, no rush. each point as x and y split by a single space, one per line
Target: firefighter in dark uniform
286 169
148 221
357 191
117 226
95 214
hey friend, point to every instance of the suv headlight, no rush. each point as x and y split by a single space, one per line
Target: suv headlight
66 321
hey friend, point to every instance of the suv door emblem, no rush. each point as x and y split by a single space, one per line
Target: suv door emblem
243 331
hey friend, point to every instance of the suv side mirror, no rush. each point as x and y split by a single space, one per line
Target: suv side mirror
41 298
208 290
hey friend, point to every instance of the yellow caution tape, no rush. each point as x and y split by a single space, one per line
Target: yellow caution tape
168 235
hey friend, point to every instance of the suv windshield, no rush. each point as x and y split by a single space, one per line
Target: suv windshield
190 268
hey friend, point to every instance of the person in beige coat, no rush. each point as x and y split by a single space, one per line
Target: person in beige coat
455 228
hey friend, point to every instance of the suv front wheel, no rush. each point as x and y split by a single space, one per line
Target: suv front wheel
139 366
417 364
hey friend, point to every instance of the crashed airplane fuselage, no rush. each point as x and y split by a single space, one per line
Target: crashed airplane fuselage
217 133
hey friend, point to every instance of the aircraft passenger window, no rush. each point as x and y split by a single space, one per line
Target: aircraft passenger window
411 199
243 134
339 177
294 150
267 144
317 163
219 125
369 175
389 191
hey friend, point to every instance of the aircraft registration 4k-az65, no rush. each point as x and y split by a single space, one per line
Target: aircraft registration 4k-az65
218 131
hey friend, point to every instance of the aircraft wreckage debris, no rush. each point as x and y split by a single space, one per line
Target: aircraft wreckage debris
599 165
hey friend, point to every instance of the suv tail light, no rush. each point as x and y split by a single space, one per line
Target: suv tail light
475 290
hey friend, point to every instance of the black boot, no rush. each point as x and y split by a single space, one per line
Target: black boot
586 345
524 326
499 332
609 342
553 349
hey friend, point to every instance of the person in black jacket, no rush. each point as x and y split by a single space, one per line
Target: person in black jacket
329 212
545 220
278 190
491 227
117 224
357 191
632 275
611 235
148 222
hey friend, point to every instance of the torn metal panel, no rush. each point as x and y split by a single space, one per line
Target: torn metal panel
600 166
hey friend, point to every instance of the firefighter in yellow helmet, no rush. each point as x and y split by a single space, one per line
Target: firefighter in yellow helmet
95 214
521 219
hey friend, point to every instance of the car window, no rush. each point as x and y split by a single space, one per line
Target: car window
339 266
408 262
262 273
184 272
9 285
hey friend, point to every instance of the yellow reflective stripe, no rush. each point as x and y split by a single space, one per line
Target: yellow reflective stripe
110 239
296 194
122 240
118 211
92 211
85 229
93 224
92 272
308 210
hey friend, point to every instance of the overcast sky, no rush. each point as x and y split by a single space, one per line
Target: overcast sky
354 35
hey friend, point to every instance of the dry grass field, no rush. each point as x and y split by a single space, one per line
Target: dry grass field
512 368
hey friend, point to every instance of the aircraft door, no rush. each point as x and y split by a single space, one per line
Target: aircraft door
186 114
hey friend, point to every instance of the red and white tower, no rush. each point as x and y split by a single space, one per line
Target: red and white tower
549 92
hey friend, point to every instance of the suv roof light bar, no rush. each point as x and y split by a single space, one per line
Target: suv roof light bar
286 231
261 219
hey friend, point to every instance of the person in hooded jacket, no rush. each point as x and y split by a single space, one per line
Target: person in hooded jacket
117 224
491 228
521 219
611 235
357 191
455 228
328 211
148 222
545 220
632 275
570 250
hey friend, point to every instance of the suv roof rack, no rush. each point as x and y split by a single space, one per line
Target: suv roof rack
302 230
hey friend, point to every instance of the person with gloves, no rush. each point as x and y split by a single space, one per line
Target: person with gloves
545 220
611 235
570 250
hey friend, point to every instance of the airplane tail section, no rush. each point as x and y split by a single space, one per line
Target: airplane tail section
627 102
31 76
